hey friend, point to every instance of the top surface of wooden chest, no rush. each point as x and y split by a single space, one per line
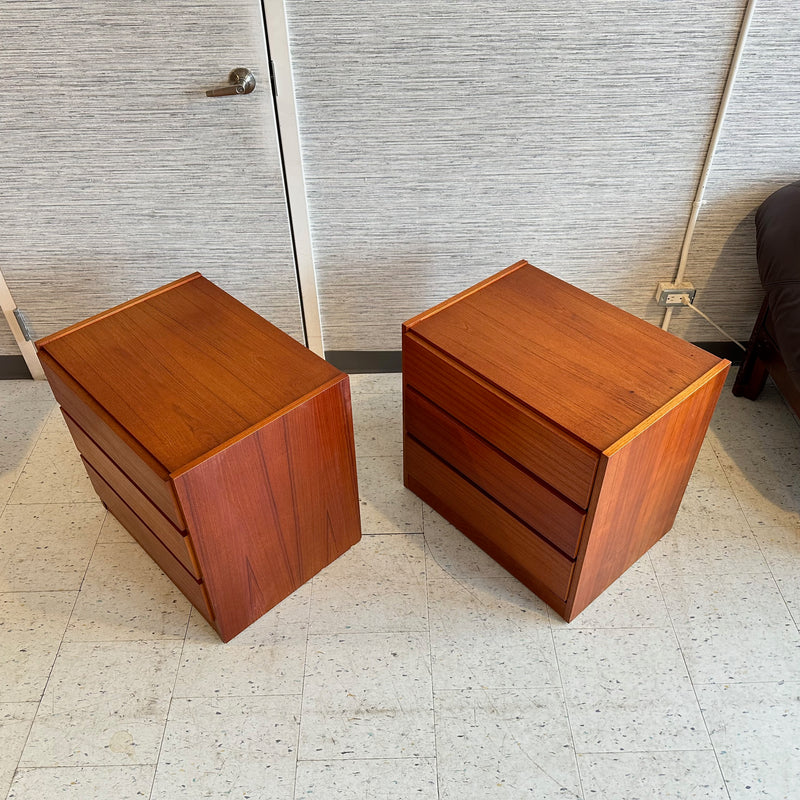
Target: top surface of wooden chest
590 368
186 368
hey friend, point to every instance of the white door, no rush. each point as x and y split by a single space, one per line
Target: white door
119 174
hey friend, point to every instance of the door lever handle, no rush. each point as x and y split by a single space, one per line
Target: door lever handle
240 81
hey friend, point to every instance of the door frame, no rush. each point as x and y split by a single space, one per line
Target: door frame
26 347
276 44
276 36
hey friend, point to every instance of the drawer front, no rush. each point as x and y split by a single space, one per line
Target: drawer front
503 536
120 446
540 447
552 517
177 542
193 589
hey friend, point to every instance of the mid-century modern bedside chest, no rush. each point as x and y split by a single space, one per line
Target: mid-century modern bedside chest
555 430
222 445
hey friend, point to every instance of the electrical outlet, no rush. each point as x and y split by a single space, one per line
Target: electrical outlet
672 294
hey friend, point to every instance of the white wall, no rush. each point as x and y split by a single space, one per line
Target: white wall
445 140
758 152
120 175
441 141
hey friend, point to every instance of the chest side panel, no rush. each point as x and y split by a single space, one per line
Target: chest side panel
272 509
640 488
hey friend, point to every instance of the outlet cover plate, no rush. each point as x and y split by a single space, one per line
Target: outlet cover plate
669 294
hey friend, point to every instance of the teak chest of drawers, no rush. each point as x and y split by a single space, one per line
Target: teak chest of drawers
555 430
222 445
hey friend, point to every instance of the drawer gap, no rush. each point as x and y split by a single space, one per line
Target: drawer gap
496 449
559 459
488 496
513 399
119 467
192 588
198 576
155 464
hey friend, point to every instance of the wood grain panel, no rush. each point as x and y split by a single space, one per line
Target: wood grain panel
507 482
119 174
176 541
440 147
127 452
188 369
511 543
290 507
558 459
524 343
642 488
582 363
193 589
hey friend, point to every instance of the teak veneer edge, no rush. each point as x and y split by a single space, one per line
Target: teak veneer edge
721 366
408 324
45 340
499 391
63 376
258 425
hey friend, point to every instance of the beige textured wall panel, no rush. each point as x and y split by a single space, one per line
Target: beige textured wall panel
7 344
759 152
120 175
446 140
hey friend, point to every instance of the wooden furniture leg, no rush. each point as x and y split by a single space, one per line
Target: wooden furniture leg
752 374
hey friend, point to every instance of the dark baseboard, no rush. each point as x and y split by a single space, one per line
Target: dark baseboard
390 360
727 350
365 360
13 368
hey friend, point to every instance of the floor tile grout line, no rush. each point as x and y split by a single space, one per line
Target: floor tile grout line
775 682
384 632
755 537
430 656
645 752
730 485
366 758
83 578
28 457
752 528
171 698
733 491
90 766
303 688
35 591
566 708
22 750
691 682
53 503
754 534
55 657
794 415
248 696
6 504
776 582
56 419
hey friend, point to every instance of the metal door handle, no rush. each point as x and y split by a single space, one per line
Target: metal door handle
240 81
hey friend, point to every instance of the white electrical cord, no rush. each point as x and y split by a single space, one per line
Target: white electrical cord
686 302
712 148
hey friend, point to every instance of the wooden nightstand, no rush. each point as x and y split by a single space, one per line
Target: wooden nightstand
222 445
555 430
